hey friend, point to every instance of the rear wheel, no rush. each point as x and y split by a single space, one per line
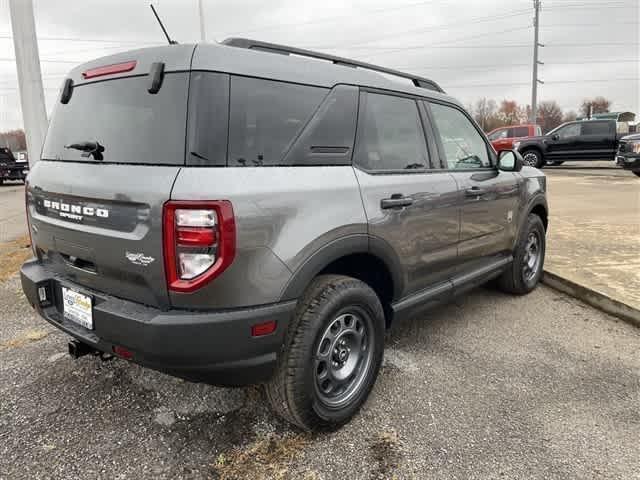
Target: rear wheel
528 260
532 158
332 354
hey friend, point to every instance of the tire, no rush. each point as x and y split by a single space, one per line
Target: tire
333 309
637 172
525 272
533 158
1 182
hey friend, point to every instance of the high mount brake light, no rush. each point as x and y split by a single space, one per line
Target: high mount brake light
199 242
109 69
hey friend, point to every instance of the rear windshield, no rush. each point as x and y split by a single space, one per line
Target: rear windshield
131 124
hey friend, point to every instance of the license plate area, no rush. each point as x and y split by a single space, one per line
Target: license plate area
77 307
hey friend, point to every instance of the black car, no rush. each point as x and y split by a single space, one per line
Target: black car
10 168
628 156
581 140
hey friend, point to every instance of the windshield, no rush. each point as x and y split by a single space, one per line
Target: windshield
131 124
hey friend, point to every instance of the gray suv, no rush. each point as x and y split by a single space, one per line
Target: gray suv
247 212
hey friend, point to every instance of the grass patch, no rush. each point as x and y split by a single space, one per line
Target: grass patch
264 459
12 255
28 337
386 451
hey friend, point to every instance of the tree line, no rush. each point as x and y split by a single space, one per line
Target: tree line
489 114
14 139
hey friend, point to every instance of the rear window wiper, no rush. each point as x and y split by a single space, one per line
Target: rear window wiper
88 148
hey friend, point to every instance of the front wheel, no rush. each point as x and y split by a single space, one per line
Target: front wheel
532 158
528 259
332 354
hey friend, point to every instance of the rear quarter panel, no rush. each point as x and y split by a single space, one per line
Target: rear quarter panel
282 214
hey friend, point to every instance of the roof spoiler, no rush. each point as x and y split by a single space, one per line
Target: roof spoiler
420 82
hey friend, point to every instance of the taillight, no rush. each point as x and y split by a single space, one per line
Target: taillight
199 242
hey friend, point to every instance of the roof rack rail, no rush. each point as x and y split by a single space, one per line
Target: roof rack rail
285 50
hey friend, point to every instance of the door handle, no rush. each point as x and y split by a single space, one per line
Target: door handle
475 191
397 200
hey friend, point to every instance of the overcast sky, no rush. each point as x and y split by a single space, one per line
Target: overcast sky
472 48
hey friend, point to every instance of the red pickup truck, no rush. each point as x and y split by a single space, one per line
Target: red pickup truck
502 138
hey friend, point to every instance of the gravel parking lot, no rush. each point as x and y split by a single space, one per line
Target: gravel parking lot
492 386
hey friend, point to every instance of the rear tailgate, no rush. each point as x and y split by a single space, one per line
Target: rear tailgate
100 225
96 218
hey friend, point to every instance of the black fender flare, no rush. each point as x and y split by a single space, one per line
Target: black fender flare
538 199
342 247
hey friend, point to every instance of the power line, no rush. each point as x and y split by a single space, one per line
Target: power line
330 19
436 28
553 82
84 40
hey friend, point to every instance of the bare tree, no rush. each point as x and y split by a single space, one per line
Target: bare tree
549 115
569 116
14 139
484 111
598 104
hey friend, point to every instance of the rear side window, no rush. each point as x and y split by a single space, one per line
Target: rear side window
265 118
390 135
133 125
463 145
595 128
518 132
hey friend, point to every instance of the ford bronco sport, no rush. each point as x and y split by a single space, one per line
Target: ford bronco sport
242 213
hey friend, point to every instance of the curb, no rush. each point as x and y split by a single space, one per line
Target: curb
592 297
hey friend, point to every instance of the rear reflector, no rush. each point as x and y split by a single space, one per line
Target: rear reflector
122 352
265 328
109 69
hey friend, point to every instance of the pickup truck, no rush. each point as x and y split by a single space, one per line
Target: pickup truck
580 140
10 168
503 138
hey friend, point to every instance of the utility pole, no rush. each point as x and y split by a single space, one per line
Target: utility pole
203 35
536 62
34 113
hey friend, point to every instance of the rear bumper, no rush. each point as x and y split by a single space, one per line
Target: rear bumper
213 347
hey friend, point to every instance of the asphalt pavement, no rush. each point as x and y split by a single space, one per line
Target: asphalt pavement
493 386
594 228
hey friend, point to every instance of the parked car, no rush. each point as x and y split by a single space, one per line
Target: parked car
210 211
628 155
10 168
502 138
581 140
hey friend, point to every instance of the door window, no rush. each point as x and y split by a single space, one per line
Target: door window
390 135
569 131
595 128
498 134
463 145
519 132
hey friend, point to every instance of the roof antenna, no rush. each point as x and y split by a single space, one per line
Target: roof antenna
171 42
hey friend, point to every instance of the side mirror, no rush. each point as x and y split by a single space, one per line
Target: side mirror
555 137
510 161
